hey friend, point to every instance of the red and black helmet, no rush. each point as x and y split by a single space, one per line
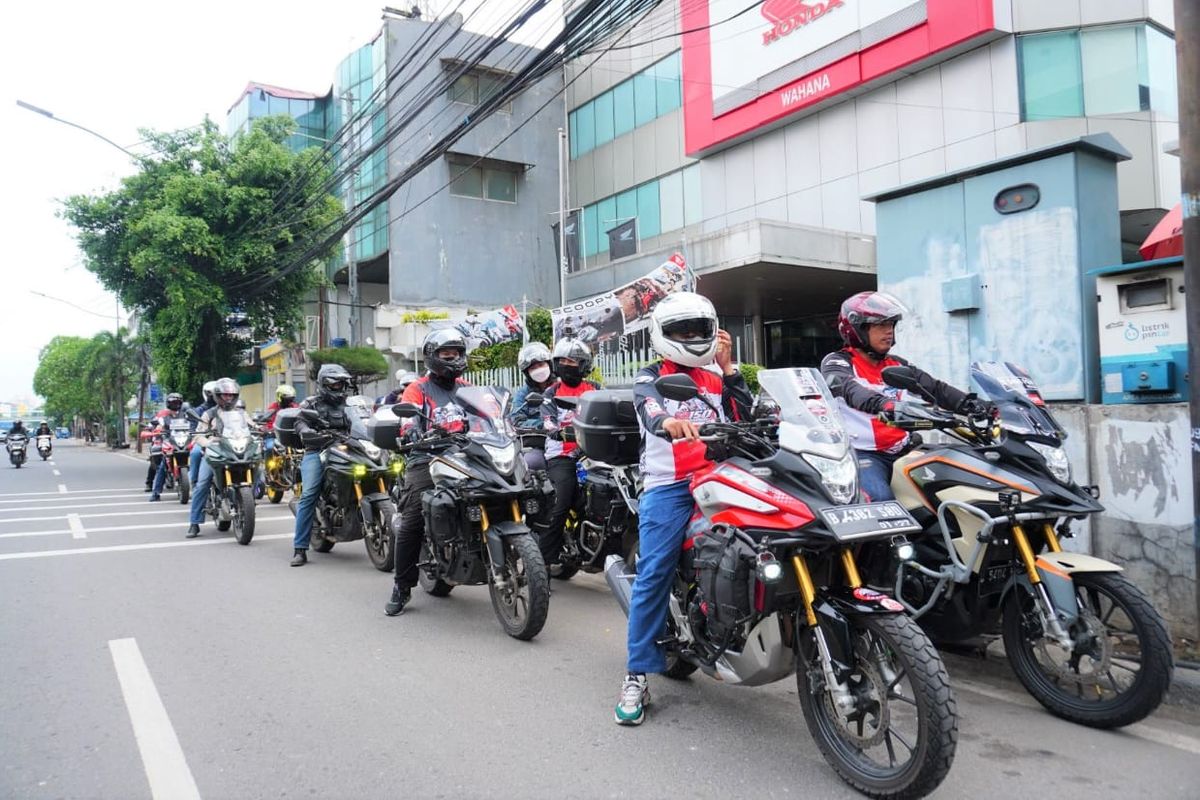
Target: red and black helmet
863 309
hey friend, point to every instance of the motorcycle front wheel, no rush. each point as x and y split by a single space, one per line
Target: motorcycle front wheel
185 487
1120 667
378 539
243 514
522 600
894 731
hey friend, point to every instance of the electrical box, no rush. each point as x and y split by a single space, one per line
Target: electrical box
1141 312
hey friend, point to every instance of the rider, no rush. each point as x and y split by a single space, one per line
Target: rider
403 379
333 386
197 454
867 324
18 429
225 393
43 429
572 363
534 363
445 354
683 331
174 410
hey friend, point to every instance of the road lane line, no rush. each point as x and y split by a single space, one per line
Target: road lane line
76 525
142 461
142 502
28 534
62 488
77 491
176 509
57 474
123 548
130 500
166 767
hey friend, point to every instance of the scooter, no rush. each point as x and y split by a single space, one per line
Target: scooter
44 446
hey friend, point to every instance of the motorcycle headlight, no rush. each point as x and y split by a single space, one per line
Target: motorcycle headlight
239 443
180 439
396 467
503 457
840 475
370 449
1056 460
443 470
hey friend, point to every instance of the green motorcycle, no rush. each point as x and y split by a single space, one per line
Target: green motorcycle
233 452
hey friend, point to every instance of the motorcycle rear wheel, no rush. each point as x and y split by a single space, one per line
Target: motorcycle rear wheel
433 586
274 495
319 542
928 706
243 514
522 609
1112 603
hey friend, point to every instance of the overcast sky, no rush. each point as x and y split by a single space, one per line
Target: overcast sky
120 65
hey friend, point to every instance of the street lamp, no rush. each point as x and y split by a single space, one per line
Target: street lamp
50 115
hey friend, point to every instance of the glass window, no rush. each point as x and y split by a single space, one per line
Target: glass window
469 182
648 210
1110 70
627 205
573 133
692 210
603 106
490 85
606 218
1051 75
590 231
1158 53
623 113
587 128
465 90
501 185
670 200
645 98
666 78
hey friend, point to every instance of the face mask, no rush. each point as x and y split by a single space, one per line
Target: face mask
539 374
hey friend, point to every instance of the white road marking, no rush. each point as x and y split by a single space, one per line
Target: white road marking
57 501
26 534
142 461
173 508
166 767
62 488
76 525
59 505
122 548
57 474
77 491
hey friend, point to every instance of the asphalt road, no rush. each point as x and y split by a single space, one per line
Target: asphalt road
247 678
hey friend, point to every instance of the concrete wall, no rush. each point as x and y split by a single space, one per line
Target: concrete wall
1138 456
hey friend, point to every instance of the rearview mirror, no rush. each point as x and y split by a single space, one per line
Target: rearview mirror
406 410
905 378
534 399
567 403
680 388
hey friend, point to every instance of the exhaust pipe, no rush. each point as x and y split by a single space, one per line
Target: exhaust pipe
620 581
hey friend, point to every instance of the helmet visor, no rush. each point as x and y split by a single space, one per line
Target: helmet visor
689 330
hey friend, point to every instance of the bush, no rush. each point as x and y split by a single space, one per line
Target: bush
365 364
424 316
750 373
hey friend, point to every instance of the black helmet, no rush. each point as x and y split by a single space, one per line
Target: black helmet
174 401
226 393
333 382
579 352
445 368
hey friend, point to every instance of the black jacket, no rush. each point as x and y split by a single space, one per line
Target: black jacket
334 418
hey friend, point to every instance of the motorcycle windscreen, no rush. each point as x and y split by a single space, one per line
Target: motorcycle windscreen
1015 394
483 409
809 421
358 410
235 426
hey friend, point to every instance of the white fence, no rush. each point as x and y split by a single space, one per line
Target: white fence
617 369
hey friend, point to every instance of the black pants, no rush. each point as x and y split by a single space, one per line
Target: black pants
410 531
566 489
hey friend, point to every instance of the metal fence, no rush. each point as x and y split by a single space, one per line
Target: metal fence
616 369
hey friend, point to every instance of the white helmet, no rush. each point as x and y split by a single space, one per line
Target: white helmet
682 313
531 353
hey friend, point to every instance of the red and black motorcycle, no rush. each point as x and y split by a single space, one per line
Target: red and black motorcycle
767 586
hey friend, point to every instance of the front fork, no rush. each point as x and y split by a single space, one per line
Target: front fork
842 697
1048 612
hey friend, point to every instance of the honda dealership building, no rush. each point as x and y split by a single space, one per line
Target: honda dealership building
748 135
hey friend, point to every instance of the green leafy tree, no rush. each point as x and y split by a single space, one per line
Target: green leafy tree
365 364
200 232
59 380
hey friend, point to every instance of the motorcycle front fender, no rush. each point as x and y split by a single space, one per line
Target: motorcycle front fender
837 606
496 534
366 506
1071 563
1059 588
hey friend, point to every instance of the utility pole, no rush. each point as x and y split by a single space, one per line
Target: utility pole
352 269
563 260
1187 53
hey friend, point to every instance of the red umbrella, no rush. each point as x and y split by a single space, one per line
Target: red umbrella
1167 237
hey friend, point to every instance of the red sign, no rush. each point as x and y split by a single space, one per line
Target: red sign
948 24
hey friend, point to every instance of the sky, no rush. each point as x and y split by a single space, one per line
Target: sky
121 65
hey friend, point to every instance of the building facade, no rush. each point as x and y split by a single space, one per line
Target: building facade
752 141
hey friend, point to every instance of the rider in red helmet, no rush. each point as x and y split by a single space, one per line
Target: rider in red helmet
867 324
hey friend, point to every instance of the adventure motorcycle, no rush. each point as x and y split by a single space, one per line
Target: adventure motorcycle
16 449
994 505
44 446
355 501
175 448
475 531
233 455
282 464
768 585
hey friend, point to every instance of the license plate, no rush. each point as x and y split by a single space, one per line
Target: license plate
868 519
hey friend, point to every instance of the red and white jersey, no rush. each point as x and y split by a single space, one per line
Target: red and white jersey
665 462
557 418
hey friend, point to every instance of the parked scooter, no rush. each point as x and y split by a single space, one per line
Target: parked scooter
994 505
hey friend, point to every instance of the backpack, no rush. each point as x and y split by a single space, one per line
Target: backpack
724 578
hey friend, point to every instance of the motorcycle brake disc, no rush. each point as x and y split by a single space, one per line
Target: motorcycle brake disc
1068 670
868 687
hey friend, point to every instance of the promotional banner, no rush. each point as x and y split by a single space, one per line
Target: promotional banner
623 240
606 317
572 237
493 327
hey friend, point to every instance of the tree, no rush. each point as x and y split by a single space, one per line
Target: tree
59 380
200 232
498 356
365 364
112 368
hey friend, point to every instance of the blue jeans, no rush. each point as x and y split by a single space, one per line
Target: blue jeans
664 513
160 477
875 474
200 491
197 455
311 473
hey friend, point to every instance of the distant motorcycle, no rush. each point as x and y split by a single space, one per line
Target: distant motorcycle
16 449
44 446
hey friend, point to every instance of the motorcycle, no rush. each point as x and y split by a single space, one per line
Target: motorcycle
44 446
768 586
233 455
475 530
16 449
280 470
995 503
355 501
175 448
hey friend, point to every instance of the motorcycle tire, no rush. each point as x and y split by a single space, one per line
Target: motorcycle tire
380 551
1068 700
243 514
45 456
431 585
319 542
932 750
522 613
562 572
274 495
185 487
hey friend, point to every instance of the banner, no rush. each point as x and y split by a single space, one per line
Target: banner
572 237
493 327
606 317
623 240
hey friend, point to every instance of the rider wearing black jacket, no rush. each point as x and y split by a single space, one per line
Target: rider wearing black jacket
333 382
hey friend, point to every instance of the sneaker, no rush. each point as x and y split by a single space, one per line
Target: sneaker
154 498
398 601
299 558
148 488
635 696
193 531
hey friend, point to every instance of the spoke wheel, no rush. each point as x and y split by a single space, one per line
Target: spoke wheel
521 593
378 537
